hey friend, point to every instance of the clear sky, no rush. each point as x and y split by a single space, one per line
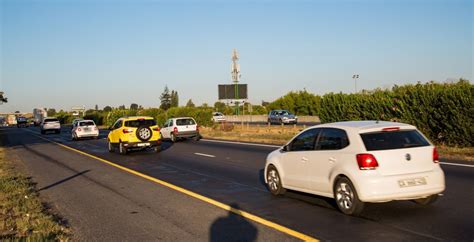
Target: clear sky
81 52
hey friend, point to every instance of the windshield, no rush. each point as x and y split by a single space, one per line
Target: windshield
187 121
50 120
393 140
283 113
140 123
87 123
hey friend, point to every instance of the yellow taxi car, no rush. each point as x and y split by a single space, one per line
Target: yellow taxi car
129 133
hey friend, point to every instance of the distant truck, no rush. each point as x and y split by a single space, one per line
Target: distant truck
38 115
11 120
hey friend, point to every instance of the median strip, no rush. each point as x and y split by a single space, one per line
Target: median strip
226 207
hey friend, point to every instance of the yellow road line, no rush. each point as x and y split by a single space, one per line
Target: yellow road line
195 195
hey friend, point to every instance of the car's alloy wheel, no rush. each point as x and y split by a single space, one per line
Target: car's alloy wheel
110 147
144 133
122 149
172 137
274 181
346 197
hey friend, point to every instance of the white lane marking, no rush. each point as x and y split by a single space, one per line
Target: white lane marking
206 155
240 143
456 164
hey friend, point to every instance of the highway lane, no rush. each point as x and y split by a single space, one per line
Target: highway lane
232 173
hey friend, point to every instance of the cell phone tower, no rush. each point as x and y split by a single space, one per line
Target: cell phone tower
235 74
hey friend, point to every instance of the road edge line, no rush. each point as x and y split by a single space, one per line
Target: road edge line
211 201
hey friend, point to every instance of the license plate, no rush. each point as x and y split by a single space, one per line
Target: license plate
420 181
87 129
143 144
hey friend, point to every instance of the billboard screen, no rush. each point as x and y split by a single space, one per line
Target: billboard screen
227 91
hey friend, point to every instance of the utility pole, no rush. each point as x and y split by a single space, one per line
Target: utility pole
355 77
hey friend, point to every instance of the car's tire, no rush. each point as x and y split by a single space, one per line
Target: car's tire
144 133
122 149
274 183
346 197
269 122
427 200
43 132
73 137
110 147
57 131
173 138
197 137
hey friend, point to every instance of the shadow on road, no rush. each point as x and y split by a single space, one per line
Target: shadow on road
233 227
63 180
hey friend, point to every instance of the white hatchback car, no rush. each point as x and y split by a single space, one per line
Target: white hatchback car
218 117
84 129
50 124
180 128
356 162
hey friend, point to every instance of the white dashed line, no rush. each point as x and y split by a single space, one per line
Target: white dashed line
240 143
206 155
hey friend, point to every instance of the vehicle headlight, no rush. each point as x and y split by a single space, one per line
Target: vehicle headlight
285 117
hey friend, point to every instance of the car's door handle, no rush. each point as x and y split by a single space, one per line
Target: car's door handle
332 160
304 159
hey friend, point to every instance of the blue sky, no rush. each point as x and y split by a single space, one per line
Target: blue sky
67 53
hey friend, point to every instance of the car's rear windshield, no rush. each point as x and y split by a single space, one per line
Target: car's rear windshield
393 140
140 123
86 123
185 121
50 120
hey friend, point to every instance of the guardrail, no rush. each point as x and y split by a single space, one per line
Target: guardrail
263 118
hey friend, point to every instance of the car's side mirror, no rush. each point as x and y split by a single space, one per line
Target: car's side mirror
284 148
111 128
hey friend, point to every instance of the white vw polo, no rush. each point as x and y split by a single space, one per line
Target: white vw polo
356 162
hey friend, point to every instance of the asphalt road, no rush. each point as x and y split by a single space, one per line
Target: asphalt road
229 173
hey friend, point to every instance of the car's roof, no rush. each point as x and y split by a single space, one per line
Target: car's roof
365 125
86 120
183 118
136 117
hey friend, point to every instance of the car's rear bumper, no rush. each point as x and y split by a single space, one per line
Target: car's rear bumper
187 134
143 144
289 121
85 135
377 188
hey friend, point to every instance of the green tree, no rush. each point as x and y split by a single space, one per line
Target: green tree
174 99
133 106
96 107
190 104
220 107
51 112
165 99
107 109
121 107
2 98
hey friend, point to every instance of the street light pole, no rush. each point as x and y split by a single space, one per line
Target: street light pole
355 77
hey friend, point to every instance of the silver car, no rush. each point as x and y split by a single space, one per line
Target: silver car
50 124
282 117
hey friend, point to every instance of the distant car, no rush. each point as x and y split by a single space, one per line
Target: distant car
134 133
218 117
21 122
180 128
281 117
50 124
84 129
358 162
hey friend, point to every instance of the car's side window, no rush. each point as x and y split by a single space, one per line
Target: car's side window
332 139
118 124
304 141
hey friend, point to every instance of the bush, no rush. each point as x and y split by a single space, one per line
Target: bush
203 116
299 103
442 111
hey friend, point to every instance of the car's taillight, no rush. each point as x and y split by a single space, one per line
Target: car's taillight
367 161
391 129
435 155
79 129
95 128
126 131
157 129
175 130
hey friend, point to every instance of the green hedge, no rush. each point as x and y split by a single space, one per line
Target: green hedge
442 111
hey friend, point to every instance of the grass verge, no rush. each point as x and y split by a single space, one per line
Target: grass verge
280 135
23 217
